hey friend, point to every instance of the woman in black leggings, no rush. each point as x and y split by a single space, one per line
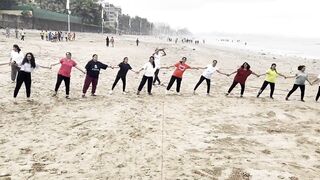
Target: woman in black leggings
149 68
24 75
301 78
122 73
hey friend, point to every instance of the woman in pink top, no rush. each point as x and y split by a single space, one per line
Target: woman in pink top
64 73
181 67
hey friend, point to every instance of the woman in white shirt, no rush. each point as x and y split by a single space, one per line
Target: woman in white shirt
15 59
24 76
318 94
157 60
149 68
207 74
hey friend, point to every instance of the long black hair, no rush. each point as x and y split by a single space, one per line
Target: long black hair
153 64
248 66
124 59
301 67
17 47
32 60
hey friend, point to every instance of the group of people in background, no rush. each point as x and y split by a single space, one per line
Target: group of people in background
16 31
57 36
23 65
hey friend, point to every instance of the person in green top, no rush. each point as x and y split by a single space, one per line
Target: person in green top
271 77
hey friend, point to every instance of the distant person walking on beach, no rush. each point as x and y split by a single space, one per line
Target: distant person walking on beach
64 73
271 77
42 35
15 60
7 32
149 69
17 33
181 67
107 41
22 34
24 76
93 68
207 74
122 74
112 41
318 94
242 74
157 60
301 78
137 42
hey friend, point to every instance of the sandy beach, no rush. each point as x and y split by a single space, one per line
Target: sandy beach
156 137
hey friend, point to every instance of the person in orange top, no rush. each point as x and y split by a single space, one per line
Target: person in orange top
181 67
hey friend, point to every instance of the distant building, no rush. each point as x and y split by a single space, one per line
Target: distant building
112 13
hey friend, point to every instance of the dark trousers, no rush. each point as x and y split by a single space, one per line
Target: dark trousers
202 78
14 71
156 77
295 87
264 85
318 95
143 82
23 77
123 82
172 80
90 80
22 38
234 84
66 80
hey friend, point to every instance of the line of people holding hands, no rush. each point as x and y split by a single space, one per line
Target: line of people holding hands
22 67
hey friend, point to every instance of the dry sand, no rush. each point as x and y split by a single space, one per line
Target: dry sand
160 137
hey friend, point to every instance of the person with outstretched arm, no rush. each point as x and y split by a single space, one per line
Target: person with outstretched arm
157 60
93 68
207 74
301 78
271 77
181 67
64 73
122 74
149 69
241 77
27 66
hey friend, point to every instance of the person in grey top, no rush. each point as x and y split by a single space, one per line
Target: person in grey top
301 78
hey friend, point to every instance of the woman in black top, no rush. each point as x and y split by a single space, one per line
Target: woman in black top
93 70
122 73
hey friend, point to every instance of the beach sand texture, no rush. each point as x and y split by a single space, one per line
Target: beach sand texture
156 137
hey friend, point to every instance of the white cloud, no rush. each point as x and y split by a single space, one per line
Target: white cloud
282 17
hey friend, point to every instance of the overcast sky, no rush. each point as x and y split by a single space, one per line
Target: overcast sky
299 18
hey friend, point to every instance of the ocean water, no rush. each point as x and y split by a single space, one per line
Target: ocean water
289 46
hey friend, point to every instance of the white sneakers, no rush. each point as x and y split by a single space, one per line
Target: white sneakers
110 92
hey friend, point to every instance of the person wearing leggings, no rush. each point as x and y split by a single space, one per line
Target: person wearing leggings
157 60
93 68
271 77
122 73
206 75
318 94
181 67
24 75
242 74
149 68
64 73
301 78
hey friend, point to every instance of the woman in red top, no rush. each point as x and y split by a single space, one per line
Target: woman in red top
181 66
64 73
242 74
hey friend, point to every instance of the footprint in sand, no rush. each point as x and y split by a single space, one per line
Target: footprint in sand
239 174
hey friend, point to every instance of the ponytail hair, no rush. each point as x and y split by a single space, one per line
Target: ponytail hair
153 64
17 47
